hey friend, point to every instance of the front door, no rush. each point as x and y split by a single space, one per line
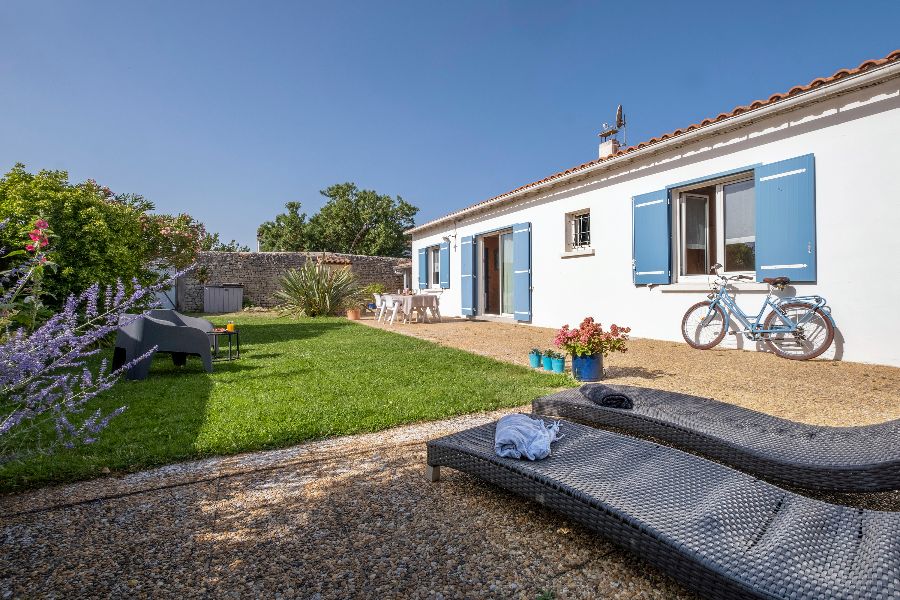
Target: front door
496 283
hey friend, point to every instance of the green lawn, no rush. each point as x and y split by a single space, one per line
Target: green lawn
297 380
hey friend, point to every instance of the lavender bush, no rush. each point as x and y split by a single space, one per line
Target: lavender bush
43 370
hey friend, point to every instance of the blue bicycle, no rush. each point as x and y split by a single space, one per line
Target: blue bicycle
796 327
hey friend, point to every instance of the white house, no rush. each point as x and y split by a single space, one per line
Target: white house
805 184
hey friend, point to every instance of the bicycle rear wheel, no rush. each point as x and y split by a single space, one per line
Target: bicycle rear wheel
813 338
702 326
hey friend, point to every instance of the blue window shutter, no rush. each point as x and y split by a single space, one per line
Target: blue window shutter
445 265
522 271
651 238
423 268
467 275
786 219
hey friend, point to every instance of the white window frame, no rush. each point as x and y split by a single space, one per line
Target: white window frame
678 236
570 249
433 264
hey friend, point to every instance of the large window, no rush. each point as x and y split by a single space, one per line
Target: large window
759 220
716 223
434 267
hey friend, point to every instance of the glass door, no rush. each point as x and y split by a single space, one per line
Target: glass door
694 234
506 274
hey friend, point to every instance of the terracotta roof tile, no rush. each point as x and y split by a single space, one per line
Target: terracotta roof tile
799 89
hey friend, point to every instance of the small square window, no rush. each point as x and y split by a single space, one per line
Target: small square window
578 230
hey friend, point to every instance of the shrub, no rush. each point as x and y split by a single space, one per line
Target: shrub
374 288
102 237
314 290
589 338
43 370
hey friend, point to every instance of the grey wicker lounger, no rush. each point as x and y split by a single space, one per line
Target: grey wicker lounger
849 459
721 532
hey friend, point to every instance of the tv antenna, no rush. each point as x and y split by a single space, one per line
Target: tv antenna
613 131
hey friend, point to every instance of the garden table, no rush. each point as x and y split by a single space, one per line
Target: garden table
419 302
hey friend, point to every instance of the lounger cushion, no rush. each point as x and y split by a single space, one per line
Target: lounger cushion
720 531
603 395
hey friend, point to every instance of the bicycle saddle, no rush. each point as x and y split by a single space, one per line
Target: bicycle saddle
777 281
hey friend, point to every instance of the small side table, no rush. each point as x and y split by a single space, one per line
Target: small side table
233 337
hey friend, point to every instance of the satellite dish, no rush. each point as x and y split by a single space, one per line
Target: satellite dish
620 118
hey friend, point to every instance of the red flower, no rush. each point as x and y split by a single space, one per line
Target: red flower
41 224
29 247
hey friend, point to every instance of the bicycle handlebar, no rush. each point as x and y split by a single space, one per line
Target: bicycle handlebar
716 270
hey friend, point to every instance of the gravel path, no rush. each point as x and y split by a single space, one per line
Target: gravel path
353 517
818 392
344 518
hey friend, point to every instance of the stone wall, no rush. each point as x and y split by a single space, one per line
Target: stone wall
260 273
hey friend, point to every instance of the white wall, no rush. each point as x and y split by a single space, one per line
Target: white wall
856 142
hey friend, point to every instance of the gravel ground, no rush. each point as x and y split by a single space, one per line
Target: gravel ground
344 518
820 392
354 518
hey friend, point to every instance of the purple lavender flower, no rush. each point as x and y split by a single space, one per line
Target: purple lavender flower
43 373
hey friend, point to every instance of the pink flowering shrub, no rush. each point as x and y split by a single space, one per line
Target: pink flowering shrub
589 338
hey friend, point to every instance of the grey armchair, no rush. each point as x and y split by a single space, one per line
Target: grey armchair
168 330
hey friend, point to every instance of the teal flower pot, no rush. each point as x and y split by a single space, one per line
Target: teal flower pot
534 360
588 368
547 362
559 365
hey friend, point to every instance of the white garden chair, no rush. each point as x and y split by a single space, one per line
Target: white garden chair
380 306
394 308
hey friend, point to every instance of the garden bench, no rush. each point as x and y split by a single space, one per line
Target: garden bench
850 459
718 531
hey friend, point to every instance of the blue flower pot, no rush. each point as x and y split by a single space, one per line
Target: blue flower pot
588 368
547 362
559 365
534 360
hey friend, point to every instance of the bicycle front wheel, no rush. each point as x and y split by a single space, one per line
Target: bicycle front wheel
809 340
703 325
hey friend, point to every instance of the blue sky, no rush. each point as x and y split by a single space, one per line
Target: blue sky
227 110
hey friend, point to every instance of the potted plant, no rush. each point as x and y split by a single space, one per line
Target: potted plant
547 360
588 344
534 358
558 362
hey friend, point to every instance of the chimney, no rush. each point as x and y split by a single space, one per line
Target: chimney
609 147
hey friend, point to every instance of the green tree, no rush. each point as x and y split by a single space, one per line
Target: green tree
287 233
99 236
352 220
212 243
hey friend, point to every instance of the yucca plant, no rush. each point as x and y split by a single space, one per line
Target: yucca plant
314 290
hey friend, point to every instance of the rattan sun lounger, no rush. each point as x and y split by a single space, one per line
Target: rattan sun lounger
850 459
718 531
